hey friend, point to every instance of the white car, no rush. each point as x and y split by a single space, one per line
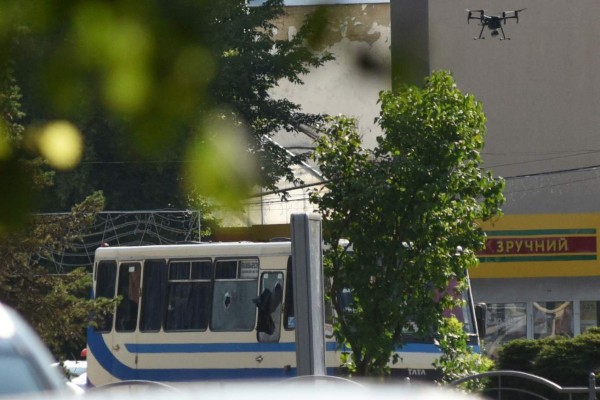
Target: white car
76 371
75 368
72 368
25 361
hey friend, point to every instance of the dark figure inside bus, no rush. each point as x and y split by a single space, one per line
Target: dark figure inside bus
267 303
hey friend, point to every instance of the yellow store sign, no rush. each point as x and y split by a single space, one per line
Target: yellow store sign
543 245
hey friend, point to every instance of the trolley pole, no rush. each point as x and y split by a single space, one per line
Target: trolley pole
307 261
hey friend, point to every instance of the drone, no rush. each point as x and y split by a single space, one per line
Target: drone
493 22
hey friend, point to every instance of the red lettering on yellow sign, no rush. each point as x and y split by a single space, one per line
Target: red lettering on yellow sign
540 245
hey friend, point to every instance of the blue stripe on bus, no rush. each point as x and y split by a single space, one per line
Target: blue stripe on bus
166 348
106 359
116 368
151 348
185 375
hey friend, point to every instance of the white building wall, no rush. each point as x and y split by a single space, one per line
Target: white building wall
357 33
271 209
540 91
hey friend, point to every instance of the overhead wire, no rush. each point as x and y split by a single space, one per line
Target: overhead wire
557 157
547 186
123 228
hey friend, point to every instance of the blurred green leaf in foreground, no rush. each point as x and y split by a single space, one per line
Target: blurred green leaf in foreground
150 84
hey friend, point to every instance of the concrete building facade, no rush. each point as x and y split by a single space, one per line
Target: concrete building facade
540 91
540 273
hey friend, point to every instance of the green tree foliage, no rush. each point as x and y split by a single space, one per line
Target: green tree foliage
170 96
411 209
457 359
55 305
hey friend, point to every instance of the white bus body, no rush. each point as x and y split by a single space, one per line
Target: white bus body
191 312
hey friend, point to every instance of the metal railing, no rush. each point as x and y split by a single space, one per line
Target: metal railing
501 388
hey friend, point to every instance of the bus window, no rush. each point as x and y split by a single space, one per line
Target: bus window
188 295
269 307
179 271
235 285
106 273
462 311
201 270
129 290
289 319
226 270
154 285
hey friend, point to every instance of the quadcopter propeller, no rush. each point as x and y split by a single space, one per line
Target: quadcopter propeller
470 14
516 14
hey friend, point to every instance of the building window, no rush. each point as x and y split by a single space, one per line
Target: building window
552 318
590 315
505 322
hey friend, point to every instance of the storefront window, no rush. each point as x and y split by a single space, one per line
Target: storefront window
505 321
552 318
589 314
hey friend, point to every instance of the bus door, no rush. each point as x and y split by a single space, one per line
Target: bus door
268 325
100 339
124 341
154 295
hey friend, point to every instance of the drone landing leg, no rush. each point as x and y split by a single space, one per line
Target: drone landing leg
480 33
503 35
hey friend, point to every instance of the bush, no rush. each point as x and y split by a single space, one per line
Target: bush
565 361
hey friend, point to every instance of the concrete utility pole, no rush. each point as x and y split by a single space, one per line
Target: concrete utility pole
307 261
410 42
